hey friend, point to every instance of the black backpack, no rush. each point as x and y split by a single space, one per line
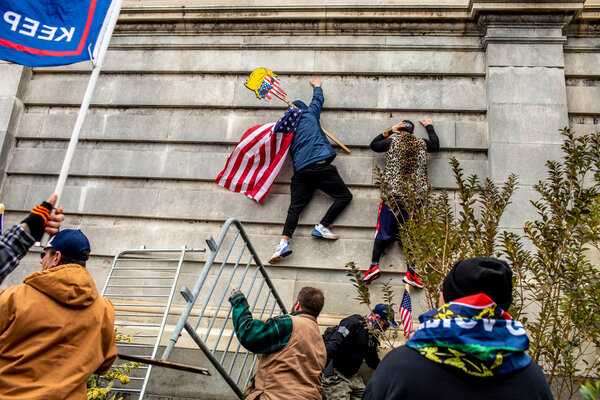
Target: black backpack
328 332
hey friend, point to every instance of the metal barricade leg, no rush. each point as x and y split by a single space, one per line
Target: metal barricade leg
164 321
222 299
228 316
221 307
194 294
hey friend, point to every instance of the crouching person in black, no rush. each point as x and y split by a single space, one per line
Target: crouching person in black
348 344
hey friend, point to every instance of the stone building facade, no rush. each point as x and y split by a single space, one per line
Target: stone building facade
498 77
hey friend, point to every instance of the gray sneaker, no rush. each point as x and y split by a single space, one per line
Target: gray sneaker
322 232
283 250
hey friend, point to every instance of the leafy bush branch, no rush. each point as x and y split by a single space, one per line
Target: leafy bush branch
99 387
559 286
556 283
434 237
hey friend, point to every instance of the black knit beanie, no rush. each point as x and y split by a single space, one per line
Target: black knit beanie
480 274
410 127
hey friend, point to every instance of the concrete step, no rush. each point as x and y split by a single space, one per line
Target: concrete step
130 37
339 292
176 90
110 236
584 99
327 61
167 163
579 63
217 204
466 131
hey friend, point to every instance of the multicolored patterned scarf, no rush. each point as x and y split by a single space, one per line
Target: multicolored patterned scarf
474 335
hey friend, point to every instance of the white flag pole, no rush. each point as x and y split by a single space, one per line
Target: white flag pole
114 11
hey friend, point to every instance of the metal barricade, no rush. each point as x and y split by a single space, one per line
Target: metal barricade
141 285
231 263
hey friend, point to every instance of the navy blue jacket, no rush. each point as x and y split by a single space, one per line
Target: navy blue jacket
404 374
349 344
310 144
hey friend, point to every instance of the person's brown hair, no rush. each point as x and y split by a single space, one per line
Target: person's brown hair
311 300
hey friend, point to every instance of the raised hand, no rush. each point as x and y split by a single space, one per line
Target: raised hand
57 217
398 127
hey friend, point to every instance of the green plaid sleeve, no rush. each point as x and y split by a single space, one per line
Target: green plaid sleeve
262 337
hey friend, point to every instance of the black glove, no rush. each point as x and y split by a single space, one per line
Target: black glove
37 219
236 294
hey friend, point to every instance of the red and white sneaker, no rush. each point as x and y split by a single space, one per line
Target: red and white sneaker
413 279
371 274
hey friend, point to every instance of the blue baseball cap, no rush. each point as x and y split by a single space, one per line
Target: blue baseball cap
71 243
382 310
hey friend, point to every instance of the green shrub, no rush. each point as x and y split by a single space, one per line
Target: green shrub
556 283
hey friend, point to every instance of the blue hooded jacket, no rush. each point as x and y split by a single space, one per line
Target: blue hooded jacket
310 144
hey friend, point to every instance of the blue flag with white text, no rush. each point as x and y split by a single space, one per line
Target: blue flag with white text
39 33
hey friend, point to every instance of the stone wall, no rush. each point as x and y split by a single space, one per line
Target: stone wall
498 79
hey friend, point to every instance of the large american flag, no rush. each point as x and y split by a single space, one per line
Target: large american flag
406 314
258 158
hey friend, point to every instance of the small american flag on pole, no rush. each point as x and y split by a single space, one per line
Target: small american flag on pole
276 88
271 86
406 314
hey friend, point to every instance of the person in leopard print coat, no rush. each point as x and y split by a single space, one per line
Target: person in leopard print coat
405 178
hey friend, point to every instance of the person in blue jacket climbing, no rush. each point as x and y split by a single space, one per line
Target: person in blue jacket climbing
312 155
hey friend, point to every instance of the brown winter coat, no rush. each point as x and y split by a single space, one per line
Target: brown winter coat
55 331
293 373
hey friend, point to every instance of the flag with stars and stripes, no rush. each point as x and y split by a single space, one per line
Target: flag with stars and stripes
258 158
275 88
406 314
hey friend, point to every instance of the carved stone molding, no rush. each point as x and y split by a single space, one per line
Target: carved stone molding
571 7
358 17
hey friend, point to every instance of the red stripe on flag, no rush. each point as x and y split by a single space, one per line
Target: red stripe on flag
242 178
276 88
273 146
279 91
255 162
267 161
241 152
240 159
264 185
231 158
265 140
261 162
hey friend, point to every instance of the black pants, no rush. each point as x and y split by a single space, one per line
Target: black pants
324 177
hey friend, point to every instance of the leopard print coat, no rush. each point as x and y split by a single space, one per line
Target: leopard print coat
405 171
